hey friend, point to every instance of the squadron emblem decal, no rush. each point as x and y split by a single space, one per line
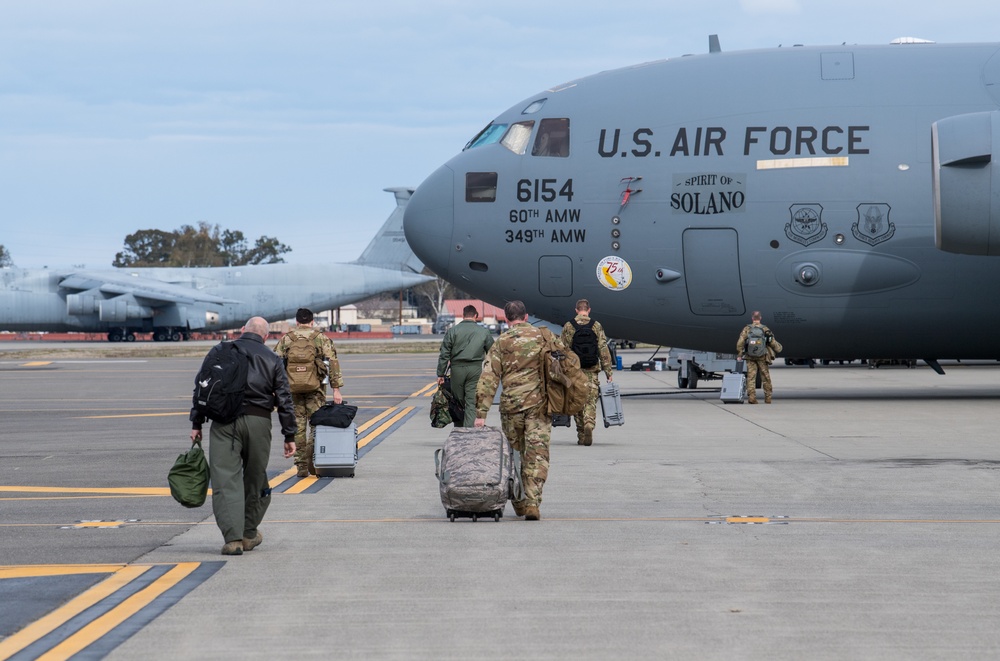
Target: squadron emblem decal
873 226
807 226
614 273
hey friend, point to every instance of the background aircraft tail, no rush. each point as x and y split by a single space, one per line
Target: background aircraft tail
389 248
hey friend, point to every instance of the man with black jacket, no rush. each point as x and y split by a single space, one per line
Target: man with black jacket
239 450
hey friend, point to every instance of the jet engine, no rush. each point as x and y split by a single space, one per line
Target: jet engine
123 308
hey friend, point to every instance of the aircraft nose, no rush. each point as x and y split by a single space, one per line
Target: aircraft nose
429 220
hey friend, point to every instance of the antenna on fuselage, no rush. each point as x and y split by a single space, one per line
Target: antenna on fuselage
713 44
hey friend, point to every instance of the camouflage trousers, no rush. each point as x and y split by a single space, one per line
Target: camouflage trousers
529 433
587 419
306 404
753 365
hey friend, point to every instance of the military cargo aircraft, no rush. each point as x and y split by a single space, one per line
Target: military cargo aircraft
850 193
170 303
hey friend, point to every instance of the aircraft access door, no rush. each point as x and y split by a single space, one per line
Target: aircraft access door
555 276
712 272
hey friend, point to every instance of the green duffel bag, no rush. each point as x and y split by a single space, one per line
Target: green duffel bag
189 476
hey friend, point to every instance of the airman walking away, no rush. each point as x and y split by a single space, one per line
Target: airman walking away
757 346
239 448
585 336
515 361
310 359
464 347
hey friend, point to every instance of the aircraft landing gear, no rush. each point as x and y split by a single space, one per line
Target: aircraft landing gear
121 335
167 334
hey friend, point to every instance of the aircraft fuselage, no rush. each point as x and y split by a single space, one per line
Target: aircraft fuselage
847 192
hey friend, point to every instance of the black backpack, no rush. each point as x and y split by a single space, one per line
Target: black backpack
221 383
585 344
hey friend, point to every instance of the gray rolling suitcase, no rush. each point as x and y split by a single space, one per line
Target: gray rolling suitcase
335 452
611 404
477 472
734 388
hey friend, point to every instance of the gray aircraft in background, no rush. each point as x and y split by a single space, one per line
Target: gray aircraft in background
850 193
172 302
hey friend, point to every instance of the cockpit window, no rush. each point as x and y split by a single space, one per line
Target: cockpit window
517 136
552 138
534 106
487 136
480 186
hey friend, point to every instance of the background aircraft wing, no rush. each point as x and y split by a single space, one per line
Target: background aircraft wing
149 289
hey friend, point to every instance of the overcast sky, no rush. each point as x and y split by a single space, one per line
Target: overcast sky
287 119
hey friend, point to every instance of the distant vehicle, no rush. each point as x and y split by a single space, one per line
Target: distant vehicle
172 302
621 344
443 323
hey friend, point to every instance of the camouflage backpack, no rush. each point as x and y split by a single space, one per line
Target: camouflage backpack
756 344
567 388
303 362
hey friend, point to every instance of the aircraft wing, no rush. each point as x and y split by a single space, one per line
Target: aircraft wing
148 289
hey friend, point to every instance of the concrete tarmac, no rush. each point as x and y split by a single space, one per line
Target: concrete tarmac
856 517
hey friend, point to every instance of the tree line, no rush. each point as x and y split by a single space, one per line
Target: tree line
204 245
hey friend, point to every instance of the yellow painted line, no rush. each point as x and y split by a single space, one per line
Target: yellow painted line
46 625
131 491
107 622
281 477
98 524
385 425
426 390
302 485
131 415
375 420
747 519
37 571
37 363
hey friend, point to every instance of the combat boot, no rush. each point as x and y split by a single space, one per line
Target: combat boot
531 513
303 471
518 507
233 548
251 544
767 400
588 437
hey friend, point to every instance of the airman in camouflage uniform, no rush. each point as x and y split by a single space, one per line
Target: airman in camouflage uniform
307 403
587 420
515 360
463 349
755 365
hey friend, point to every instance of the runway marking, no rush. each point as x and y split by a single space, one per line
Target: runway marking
300 486
384 423
36 571
385 426
426 391
37 363
133 415
131 491
99 523
100 618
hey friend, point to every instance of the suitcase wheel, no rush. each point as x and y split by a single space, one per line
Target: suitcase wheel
451 517
475 517
606 424
496 516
